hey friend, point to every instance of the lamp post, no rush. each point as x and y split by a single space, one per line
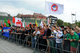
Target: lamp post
75 17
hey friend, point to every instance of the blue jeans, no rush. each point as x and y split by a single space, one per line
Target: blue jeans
58 48
33 42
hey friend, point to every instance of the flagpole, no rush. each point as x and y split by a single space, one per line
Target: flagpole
45 6
45 11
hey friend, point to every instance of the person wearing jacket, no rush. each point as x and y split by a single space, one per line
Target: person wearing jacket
73 37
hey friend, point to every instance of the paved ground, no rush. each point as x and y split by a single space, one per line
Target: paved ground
9 47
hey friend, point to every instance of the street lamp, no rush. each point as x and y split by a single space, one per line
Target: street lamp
75 16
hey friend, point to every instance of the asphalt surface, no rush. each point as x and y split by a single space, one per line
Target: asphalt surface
9 47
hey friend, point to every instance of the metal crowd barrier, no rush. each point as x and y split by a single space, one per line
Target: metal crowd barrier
16 37
50 46
78 48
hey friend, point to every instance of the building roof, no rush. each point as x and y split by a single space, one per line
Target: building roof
24 16
36 15
3 14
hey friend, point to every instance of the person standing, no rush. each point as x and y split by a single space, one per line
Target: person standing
66 43
52 39
41 40
48 33
23 31
34 38
73 41
59 40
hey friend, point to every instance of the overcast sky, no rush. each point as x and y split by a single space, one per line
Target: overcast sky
30 6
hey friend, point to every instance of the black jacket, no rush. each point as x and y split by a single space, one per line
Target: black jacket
48 33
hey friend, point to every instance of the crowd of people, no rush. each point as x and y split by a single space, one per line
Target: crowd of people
53 39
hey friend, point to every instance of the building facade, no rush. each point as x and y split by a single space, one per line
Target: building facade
31 18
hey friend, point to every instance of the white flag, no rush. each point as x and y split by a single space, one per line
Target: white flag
48 21
18 21
54 8
24 23
41 24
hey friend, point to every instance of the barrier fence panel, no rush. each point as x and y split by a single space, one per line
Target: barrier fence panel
42 45
53 47
78 48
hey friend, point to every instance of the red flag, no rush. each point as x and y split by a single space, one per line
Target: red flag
28 25
1 24
21 24
25 24
9 21
4 24
13 20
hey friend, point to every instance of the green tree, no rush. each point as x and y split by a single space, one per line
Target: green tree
78 23
59 22
65 24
